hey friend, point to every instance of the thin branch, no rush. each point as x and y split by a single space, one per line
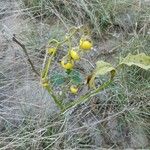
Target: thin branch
26 53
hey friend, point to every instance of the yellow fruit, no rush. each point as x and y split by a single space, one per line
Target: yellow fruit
52 50
74 55
45 84
73 89
67 65
85 44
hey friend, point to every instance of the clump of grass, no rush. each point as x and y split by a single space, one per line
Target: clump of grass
99 15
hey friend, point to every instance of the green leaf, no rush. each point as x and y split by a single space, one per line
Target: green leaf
57 79
141 60
102 68
76 77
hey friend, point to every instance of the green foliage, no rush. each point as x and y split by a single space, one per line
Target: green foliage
57 79
140 60
102 68
75 77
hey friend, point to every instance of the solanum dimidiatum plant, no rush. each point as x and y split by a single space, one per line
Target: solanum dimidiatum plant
75 79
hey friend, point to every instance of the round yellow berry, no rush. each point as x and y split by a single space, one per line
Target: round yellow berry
85 44
74 55
45 84
52 50
67 65
73 89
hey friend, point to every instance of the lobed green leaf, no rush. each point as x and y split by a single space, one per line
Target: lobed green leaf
76 77
57 79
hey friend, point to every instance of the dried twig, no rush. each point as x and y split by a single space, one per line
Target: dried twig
26 53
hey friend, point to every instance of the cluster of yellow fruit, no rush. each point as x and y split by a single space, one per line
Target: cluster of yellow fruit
73 55
68 64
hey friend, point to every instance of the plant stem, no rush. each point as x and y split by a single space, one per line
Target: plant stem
26 53
44 74
57 101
